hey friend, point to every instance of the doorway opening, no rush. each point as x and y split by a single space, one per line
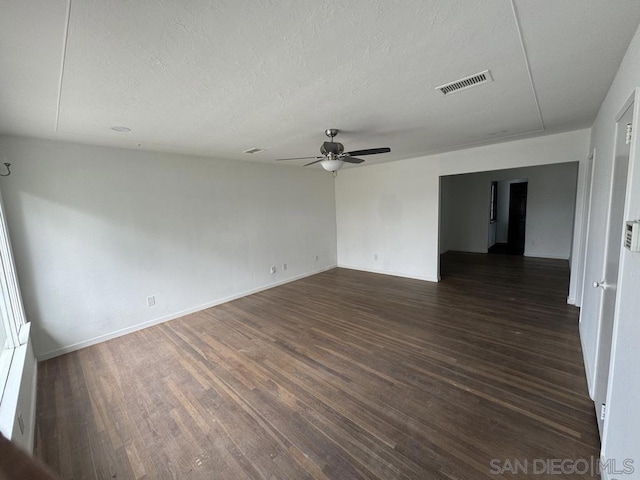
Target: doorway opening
472 221
510 217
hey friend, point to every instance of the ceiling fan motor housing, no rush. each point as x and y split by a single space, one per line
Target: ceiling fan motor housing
329 148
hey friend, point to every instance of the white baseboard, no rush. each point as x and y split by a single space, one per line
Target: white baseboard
393 274
539 255
124 331
571 301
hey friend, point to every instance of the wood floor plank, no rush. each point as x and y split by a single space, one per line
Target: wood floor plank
342 375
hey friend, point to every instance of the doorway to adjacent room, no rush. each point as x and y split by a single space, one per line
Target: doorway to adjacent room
510 218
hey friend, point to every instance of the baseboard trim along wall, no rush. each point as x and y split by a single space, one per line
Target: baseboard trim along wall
119 333
394 274
553 257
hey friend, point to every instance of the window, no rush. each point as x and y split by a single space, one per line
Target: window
6 354
493 206
3 337
11 310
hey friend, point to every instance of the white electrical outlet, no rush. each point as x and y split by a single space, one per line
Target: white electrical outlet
273 269
151 301
284 266
603 411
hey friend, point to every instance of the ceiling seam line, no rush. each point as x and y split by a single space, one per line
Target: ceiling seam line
526 61
484 143
64 58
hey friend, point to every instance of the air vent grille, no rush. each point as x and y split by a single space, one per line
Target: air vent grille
464 83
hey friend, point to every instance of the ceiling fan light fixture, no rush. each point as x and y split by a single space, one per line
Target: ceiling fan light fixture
332 165
333 157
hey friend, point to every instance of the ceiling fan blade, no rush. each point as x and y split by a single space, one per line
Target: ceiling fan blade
350 159
321 159
296 158
369 151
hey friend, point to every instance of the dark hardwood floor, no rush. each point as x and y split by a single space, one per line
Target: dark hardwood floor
342 375
505 249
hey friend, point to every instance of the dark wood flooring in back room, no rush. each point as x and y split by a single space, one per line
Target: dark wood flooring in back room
341 375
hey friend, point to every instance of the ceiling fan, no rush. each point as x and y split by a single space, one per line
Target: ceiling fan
333 155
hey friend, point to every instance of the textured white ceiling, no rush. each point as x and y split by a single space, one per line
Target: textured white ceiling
216 78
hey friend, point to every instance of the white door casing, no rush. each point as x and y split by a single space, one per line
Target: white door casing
601 274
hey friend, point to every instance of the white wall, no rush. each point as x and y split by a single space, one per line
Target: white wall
96 230
621 435
391 210
465 209
551 201
385 223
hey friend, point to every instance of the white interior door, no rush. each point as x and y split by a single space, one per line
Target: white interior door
621 433
606 285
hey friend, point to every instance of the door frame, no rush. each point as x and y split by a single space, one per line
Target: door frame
631 102
634 153
583 234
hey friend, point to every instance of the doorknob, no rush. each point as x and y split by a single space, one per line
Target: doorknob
602 284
